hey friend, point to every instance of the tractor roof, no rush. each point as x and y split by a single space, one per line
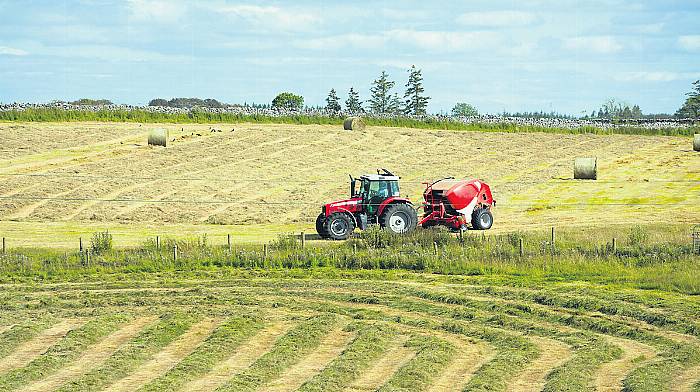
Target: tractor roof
379 177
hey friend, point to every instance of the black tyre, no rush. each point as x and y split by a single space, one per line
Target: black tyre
482 219
399 218
339 226
321 225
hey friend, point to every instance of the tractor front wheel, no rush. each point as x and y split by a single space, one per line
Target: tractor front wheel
321 225
399 218
482 219
339 226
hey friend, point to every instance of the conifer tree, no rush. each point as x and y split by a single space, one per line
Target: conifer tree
416 102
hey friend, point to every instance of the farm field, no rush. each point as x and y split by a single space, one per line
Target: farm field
61 181
241 330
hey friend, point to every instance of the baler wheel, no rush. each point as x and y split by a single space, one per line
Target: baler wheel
321 225
482 219
399 218
339 226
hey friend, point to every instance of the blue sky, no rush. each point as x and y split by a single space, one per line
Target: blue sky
563 55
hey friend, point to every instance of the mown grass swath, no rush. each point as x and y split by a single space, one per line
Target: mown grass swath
200 117
499 311
432 355
287 350
129 357
220 344
370 343
22 332
66 350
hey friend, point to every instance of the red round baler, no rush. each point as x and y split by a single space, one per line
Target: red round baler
457 203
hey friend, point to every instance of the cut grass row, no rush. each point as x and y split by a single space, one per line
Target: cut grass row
478 312
66 350
287 350
127 359
218 346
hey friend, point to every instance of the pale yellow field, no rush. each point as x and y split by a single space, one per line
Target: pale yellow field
62 181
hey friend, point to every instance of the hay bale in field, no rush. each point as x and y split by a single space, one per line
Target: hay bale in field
158 137
696 142
354 124
586 168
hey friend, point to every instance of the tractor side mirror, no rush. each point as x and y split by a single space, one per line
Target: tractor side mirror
352 186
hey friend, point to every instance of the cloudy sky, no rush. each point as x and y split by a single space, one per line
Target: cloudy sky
563 55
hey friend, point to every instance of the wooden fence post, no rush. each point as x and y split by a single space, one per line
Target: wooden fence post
228 241
157 242
614 245
175 253
265 251
522 249
81 244
4 249
435 247
303 240
554 237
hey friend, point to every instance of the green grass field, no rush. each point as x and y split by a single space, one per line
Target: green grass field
235 329
429 311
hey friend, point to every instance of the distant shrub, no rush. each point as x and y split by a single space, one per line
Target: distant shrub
101 242
637 236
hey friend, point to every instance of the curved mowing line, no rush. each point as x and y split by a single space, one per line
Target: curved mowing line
167 358
611 374
38 345
468 358
94 355
552 355
245 356
384 368
332 346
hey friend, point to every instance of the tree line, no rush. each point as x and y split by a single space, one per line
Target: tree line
383 99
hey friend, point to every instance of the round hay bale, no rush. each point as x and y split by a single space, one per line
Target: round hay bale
696 142
354 124
586 168
158 137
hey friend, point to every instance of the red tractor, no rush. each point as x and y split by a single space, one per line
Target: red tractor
447 202
375 201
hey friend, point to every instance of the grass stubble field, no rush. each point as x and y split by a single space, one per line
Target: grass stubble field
217 326
63 180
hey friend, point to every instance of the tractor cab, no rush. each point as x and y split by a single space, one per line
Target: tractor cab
373 190
374 199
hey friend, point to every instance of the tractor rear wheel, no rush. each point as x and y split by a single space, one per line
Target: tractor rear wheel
339 226
321 225
399 218
482 219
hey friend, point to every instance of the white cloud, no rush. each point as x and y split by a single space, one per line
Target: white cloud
497 18
162 11
359 41
7 51
652 28
604 44
689 42
444 40
434 41
271 17
110 53
656 76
